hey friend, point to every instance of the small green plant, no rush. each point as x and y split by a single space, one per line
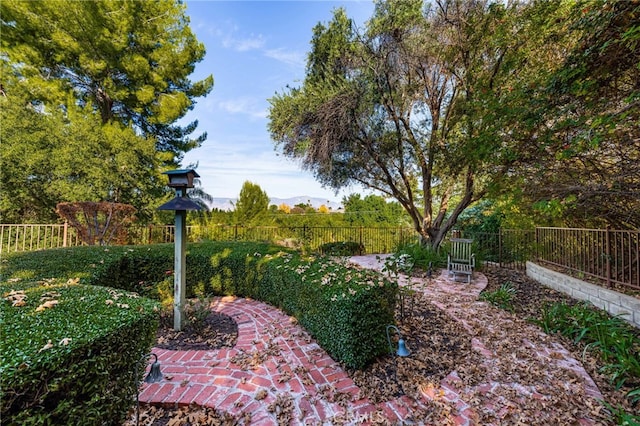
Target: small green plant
501 297
196 311
621 417
342 248
423 255
397 264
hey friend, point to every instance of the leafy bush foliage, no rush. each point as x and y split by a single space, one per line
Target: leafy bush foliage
422 255
345 309
67 351
501 297
342 248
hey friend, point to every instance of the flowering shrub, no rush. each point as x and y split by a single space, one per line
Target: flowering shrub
345 308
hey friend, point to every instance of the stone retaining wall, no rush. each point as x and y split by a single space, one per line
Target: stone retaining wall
615 303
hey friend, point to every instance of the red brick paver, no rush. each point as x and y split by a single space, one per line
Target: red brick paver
278 364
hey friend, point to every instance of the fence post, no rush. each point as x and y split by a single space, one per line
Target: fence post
608 255
64 234
235 232
500 247
537 247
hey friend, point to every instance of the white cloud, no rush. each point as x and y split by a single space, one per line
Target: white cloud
244 105
297 59
244 44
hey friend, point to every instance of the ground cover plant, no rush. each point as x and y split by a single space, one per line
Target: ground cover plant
65 345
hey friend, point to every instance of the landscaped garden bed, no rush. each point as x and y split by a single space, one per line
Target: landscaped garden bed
346 310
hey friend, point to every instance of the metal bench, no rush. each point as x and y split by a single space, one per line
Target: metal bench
460 259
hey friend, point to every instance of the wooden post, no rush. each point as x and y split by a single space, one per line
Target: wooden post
179 288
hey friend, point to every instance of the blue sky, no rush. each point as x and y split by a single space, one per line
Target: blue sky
254 49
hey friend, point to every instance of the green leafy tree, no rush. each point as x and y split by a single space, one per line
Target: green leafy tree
372 210
68 156
252 205
404 107
586 139
129 61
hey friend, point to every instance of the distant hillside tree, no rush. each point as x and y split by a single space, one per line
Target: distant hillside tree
252 204
373 210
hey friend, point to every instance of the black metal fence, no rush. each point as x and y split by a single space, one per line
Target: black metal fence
608 256
508 248
374 240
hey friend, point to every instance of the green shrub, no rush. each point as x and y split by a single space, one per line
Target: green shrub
501 297
423 256
342 248
345 309
68 351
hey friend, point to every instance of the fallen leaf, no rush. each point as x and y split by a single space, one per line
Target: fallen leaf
65 341
49 345
46 305
16 297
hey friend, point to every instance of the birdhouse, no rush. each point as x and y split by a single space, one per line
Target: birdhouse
181 178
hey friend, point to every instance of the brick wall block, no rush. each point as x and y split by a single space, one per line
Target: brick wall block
613 302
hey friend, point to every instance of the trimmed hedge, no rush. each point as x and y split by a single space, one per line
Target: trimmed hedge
344 308
69 350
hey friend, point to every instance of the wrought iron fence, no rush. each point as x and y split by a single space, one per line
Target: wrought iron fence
610 256
36 237
374 240
508 248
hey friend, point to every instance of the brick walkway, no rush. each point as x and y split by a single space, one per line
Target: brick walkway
276 371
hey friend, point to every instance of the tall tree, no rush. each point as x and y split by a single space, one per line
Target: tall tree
252 204
402 108
127 60
67 156
588 139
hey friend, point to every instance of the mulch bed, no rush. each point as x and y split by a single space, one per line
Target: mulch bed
438 346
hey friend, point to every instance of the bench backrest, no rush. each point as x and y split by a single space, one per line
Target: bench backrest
461 250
